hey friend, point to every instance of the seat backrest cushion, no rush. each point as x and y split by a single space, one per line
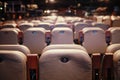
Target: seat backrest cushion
62 36
94 40
62 64
12 65
34 39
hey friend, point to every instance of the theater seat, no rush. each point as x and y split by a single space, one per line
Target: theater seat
9 25
107 20
115 35
116 23
25 26
9 36
44 25
12 65
79 26
101 25
94 40
62 24
112 28
62 35
116 59
34 39
35 21
20 48
89 21
113 48
64 46
65 64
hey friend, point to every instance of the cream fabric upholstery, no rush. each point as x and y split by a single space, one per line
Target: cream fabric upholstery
64 46
79 26
20 48
112 48
94 40
62 24
12 65
8 36
44 25
107 20
111 28
60 19
18 30
25 26
62 35
116 58
35 22
9 25
115 35
34 39
101 25
89 21
99 18
21 21
65 64
10 22
116 23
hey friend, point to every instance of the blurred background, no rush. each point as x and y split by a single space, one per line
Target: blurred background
15 9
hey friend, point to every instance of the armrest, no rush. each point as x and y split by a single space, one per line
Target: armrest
81 37
96 62
32 67
107 67
108 37
48 37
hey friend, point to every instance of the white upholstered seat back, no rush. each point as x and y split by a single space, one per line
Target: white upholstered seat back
34 39
12 65
62 64
62 35
8 36
94 40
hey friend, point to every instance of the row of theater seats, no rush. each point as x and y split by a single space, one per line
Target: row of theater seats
93 39
75 25
112 20
58 62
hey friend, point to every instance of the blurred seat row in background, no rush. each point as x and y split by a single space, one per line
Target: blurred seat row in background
93 39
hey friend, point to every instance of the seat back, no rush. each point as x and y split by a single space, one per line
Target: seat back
62 64
94 40
8 36
44 25
116 23
79 26
113 48
62 35
12 65
34 39
9 25
107 20
25 26
35 22
111 28
20 48
62 24
64 46
115 35
116 59
101 25
99 18
89 21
